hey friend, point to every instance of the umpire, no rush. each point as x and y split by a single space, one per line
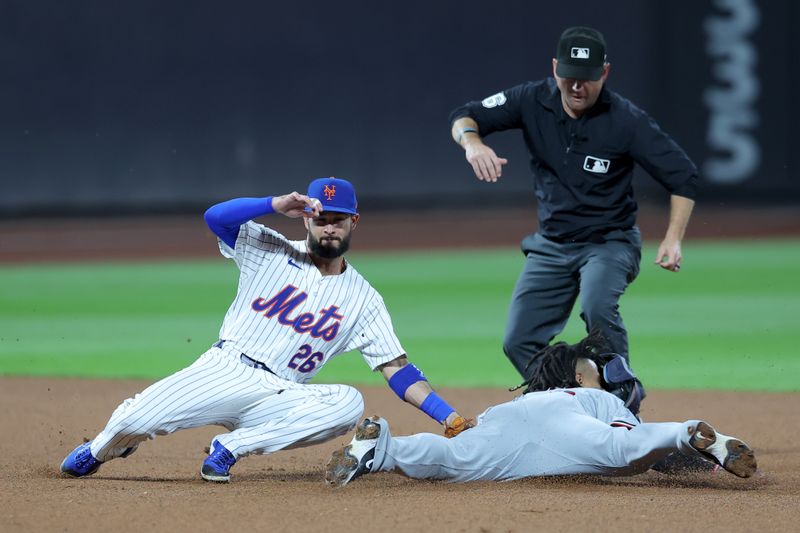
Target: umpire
583 141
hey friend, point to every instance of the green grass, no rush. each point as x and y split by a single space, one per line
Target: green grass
727 321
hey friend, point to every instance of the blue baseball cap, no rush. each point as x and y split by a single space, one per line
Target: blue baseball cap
334 194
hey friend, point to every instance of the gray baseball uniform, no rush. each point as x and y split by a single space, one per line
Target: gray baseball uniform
555 432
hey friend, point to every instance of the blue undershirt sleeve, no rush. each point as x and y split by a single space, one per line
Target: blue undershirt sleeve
225 218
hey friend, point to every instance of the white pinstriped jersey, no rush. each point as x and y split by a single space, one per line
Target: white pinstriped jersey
293 319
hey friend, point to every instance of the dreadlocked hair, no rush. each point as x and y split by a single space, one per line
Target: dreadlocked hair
556 368
556 363
593 345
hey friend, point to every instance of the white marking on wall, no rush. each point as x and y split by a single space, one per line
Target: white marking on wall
733 115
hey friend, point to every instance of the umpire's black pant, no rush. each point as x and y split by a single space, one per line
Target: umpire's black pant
554 275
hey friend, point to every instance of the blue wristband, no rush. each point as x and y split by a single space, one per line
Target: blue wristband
404 378
463 131
268 209
436 408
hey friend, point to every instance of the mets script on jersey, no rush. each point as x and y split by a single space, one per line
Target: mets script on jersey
282 304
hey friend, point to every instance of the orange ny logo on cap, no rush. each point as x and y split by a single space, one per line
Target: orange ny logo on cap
329 192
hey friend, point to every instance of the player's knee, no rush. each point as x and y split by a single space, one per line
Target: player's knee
600 311
137 425
513 346
522 353
628 455
628 462
128 428
639 467
352 406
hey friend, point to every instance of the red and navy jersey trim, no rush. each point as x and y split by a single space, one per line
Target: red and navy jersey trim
621 424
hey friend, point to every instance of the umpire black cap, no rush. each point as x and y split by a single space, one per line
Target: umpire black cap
581 54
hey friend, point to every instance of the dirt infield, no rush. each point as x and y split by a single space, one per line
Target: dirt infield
159 488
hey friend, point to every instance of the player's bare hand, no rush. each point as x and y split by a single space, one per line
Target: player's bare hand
669 256
294 205
485 163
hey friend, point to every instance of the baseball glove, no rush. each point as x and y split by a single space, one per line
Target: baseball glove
458 425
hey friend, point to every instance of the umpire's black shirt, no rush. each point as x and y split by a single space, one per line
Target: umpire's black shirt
583 167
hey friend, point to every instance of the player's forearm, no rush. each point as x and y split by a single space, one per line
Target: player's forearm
408 382
464 130
238 211
679 214
225 218
422 396
417 393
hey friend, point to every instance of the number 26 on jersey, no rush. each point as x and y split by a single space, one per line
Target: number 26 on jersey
304 360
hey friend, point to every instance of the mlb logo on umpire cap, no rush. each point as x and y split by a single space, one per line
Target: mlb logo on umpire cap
334 194
579 53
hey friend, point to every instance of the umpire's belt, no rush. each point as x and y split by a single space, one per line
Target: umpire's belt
249 361
596 237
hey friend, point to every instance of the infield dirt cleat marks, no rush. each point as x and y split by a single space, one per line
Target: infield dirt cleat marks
730 453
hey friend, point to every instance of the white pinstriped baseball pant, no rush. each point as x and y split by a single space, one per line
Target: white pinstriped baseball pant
263 412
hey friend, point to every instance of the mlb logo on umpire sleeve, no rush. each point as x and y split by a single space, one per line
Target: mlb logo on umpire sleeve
579 53
596 165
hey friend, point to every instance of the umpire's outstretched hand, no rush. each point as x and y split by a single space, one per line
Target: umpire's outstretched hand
485 163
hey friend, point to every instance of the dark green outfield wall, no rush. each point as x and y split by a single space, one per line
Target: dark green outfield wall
167 106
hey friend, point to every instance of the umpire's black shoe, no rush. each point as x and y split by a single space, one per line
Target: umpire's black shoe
731 454
356 458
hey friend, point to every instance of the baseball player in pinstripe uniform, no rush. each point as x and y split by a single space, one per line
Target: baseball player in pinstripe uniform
299 304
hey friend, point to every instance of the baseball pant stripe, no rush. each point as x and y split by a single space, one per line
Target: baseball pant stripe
201 390
304 417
